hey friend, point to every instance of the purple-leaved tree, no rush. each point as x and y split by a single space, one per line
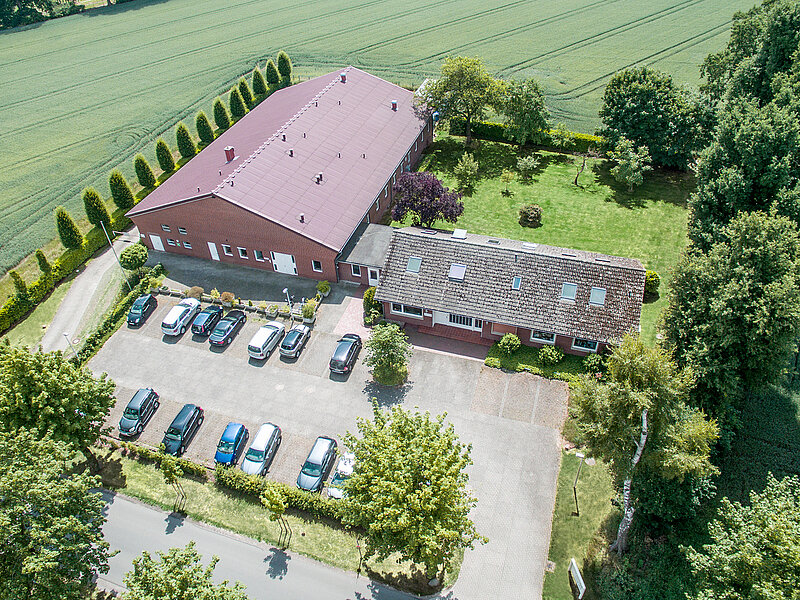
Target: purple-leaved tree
424 197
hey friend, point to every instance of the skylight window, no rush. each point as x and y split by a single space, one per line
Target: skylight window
516 283
598 296
414 263
568 291
459 234
457 271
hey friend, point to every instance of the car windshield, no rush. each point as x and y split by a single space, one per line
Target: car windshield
254 455
221 327
173 434
136 309
338 479
311 469
131 413
225 447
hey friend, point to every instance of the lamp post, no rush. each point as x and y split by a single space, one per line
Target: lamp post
575 485
288 300
66 337
115 255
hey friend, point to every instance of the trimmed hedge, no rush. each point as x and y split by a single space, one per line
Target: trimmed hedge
144 453
496 132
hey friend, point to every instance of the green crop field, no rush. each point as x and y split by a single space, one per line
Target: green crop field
81 95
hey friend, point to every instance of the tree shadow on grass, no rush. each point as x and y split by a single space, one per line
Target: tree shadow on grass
415 582
108 467
619 192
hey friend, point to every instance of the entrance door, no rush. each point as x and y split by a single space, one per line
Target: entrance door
156 241
284 263
212 248
372 276
440 318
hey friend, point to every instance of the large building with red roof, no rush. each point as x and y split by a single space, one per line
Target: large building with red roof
292 185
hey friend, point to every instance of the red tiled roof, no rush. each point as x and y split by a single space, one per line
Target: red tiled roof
346 131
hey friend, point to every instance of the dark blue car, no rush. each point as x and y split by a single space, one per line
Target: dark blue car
231 444
204 323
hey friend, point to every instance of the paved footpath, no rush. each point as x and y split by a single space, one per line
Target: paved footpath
268 572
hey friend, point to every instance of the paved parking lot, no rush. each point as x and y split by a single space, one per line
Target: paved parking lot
512 420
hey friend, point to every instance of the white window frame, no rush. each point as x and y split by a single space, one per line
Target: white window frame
171 242
516 283
378 203
227 250
408 264
243 253
542 341
394 178
591 295
574 294
165 228
187 245
386 191
182 230
314 268
402 310
258 255
464 322
355 270
581 348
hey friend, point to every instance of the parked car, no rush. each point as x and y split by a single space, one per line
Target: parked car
141 309
346 353
265 444
295 340
182 429
231 444
205 322
138 412
179 317
344 469
265 339
227 328
317 465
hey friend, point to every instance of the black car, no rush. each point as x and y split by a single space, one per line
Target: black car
138 412
227 328
204 323
141 309
182 429
346 353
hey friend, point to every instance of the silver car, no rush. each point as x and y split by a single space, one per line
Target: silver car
179 317
259 455
265 339
295 340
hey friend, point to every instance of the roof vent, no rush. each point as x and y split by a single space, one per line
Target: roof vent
530 245
283 137
291 151
319 177
602 259
316 103
571 254
198 188
304 134
220 172
230 153
394 105
457 272
302 217
492 241
459 234
343 77
429 231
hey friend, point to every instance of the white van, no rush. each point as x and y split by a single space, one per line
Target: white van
266 338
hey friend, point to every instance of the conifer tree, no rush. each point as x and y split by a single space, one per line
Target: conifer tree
144 173
204 129
96 210
68 231
164 156
247 94
44 265
238 109
259 84
19 284
271 73
221 116
285 67
185 142
120 190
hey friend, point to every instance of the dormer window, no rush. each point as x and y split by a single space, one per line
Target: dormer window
414 264
568 291
516 283
597 297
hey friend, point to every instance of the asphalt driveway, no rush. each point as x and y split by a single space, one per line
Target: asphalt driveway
512 421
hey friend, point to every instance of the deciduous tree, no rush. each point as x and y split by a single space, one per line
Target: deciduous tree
466 172
238 108
409 489
95 208
204 130
120 190
425 199
185 142
387 353
284 67
133 257
144 173
164 156
522 104
14 13
68 232
632 163
221 116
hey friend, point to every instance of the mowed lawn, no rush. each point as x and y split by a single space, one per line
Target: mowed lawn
83 94
598 215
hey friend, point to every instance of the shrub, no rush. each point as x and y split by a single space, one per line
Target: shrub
214 293
482 130
185 142
530 215
369 301
527 165
238 109
96 210
44 265
164 156
594 363
120 190
285 67
227 297
549 356
204 130
195 292
309 308
221 116
651 282
247 94
259 84
133 257
71 237
323 287
146 454
509 344
144 173
271 73
466 172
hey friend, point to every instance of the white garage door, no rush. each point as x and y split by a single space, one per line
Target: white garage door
284 263
157 243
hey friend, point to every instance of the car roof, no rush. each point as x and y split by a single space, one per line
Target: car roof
231 430
234 313
211 309
263 332
351 336
143 298
183 417
321 447
263 436
300 327
342 348
191 302
139 398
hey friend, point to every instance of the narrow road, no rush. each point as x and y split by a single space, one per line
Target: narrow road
268 572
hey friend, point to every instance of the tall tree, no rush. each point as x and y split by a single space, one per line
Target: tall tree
19 284
284 68
387 354
645 106
754 549
271 73
259 84
639 420
238 109
144 173
164 156
464 89
68 232
733 314
177 574
425 199
120 190
48 394
95 208
50 521
44 265
204 130
185 142
632 163
221 116
522 104
409 489
246 92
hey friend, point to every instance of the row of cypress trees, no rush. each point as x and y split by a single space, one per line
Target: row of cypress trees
242 98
